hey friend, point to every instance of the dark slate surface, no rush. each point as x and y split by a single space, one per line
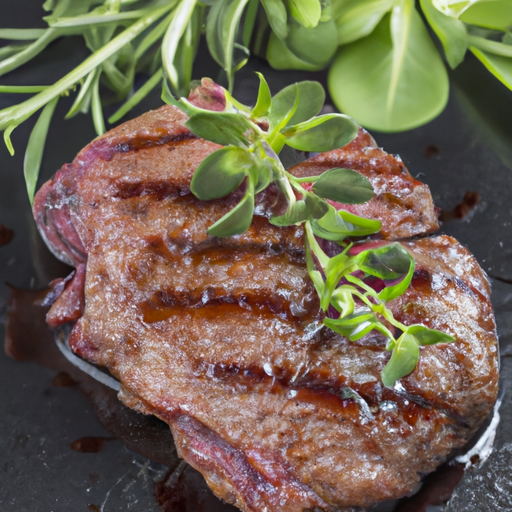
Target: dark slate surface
468 148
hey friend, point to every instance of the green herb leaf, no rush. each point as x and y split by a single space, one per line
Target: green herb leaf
220 127
316 206
353 326
172 38
495 15
221 31
391 83
499 66
311 95
388 262
450 31
263 175
279 56
357 18
264 99
426 336
35 148
314 274
404 359
306 12
239 219
296 214
277 17
137 97
343 300
344 186
220 173
336 225
322 133
315 46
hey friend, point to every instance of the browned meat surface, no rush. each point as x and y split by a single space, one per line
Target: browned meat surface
404 205
220 337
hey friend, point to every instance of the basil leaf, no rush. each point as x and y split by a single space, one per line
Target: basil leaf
222 128
450 31
311 95
426 336
277 17
296 214
499 66
220 173
239 219
343 186
221 31
35 147
315 46
264 99
391 83
306 12
357 18
404 359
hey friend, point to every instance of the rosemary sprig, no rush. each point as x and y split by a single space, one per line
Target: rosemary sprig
347 282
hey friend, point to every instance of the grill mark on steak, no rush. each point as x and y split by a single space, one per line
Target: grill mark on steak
166 303
333 393
106 149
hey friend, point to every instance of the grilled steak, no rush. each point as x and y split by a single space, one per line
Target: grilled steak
220 338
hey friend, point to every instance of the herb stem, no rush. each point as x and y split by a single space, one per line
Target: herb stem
14 61
495 47
138 96
172 38
13 116
22 89
306 179
99 19
22 34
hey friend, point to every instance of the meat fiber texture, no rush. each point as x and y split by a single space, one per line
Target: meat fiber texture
221 338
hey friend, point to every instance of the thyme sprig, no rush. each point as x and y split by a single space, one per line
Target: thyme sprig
358 282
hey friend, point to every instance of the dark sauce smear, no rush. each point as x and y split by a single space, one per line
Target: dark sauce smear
463 209
431 151
183 489
5 235
90 444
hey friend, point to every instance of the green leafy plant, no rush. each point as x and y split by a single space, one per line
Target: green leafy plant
252 139
385 70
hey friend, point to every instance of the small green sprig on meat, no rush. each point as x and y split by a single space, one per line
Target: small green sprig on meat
252 139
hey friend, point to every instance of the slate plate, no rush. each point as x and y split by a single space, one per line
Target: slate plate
46 424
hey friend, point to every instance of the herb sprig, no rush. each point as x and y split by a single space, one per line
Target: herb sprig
252 139
157 37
